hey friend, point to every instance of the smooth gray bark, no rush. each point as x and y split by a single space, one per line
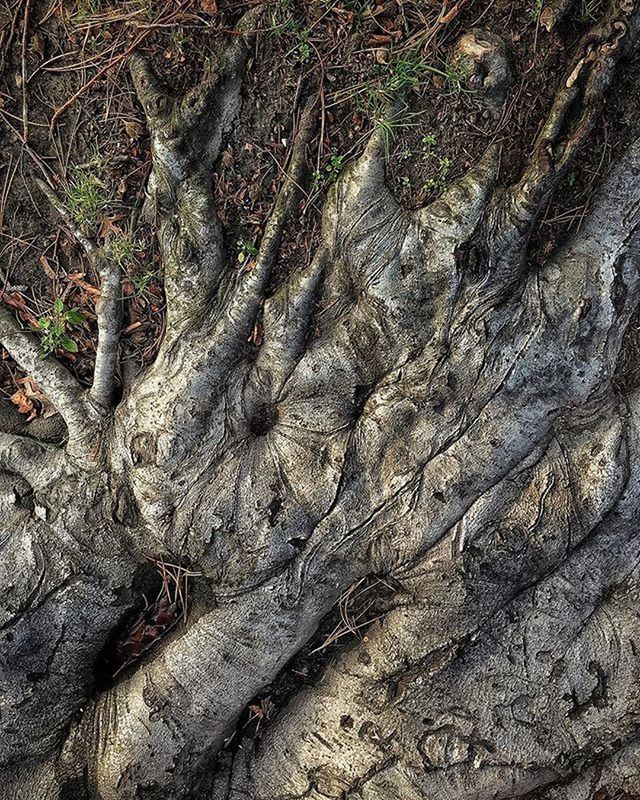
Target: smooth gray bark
422 407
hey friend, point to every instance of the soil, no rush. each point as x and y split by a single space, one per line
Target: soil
348 52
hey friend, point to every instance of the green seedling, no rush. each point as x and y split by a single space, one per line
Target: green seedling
439 183
54 328
126 253
330 173
86 9
429 143
86 197
246 251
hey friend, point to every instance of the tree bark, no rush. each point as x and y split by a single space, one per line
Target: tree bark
425 406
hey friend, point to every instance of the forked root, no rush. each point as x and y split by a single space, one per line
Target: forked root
574 112
245 305
196 124
571 119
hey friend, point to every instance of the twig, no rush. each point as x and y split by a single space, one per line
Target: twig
179 575
97 76
9 177
25 29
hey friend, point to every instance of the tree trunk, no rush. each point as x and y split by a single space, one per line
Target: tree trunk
425 407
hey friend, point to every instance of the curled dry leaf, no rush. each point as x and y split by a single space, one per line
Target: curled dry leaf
30 400
108 228
209 7
134 129
16 301
78 279
25 405
49 271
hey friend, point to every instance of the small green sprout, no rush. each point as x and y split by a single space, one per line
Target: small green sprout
330 172
142 7
54 328
86 9
126 253
439 183
407 70
303 52
179 40
429 142
246 251
86 198
283 23
445 166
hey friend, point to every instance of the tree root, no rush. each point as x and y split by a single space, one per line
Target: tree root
108 308
420 408
60 386
575 109
452 598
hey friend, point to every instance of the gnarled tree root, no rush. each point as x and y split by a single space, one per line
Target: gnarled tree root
421 407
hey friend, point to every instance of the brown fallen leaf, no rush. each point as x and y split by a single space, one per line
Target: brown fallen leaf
30 400
134 129
15 300
130 328
209 6
37 43
47 267
108 228
25 405
227 158
77 278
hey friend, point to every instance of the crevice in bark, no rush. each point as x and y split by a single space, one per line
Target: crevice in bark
263 419
347 622
146 584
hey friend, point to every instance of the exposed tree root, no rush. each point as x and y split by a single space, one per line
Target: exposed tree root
421 407
108 310
61 387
